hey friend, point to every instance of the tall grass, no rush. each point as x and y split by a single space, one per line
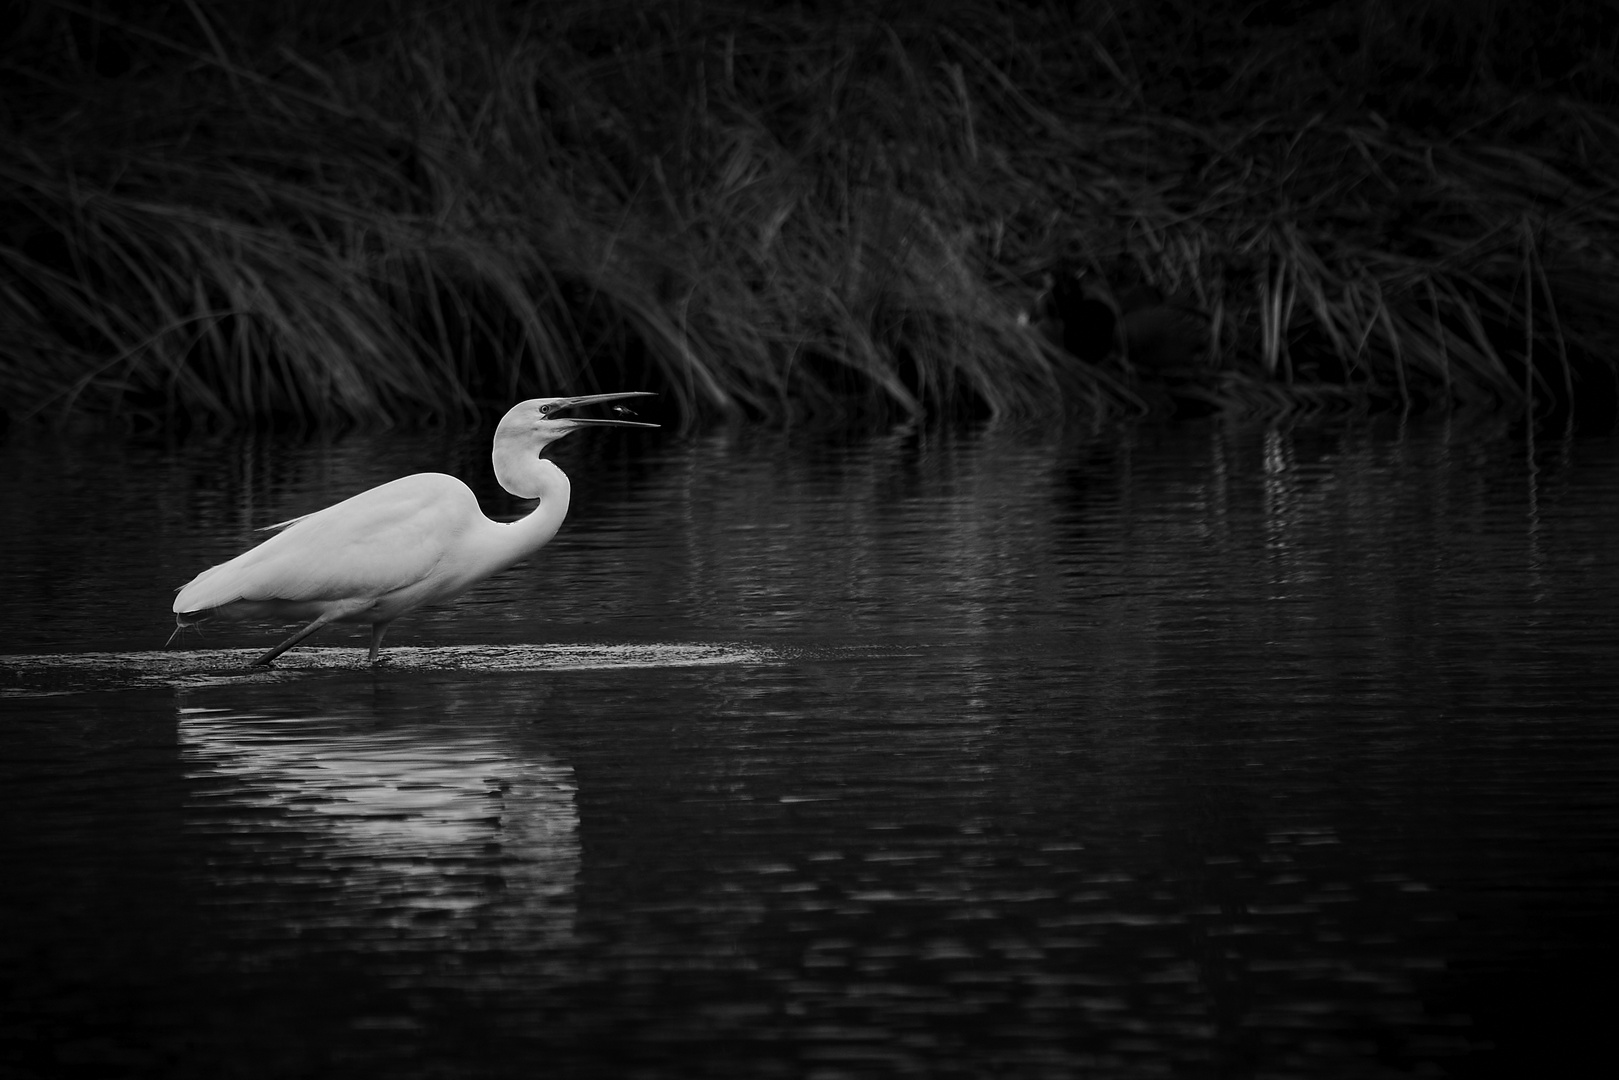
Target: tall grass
211 213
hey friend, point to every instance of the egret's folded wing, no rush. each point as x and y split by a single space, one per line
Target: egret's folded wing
368 546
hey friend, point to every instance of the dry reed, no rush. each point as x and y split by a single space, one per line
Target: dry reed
780 212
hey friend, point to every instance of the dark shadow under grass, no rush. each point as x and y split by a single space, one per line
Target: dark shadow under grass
402 210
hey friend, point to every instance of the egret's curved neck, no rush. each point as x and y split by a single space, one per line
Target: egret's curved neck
521 471
524 473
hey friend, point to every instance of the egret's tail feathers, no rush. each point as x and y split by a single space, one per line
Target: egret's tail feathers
187 620
192 618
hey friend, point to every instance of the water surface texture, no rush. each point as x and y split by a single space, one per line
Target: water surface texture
1207 752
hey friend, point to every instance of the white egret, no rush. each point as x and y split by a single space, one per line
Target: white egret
417 540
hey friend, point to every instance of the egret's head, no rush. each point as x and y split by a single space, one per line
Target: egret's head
538 422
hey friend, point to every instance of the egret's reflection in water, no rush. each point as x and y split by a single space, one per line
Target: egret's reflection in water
390 833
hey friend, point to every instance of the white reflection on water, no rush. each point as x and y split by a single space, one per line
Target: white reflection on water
409 821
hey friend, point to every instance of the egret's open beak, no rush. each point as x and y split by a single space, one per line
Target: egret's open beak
568 404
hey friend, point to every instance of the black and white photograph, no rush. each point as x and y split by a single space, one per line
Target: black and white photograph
809 539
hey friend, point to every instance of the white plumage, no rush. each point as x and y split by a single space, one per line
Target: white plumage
418 540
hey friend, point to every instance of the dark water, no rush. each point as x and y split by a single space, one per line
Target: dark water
1208 752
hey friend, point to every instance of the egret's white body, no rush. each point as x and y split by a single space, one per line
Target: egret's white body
417 540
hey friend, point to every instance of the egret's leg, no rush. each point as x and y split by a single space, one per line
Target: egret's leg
264 661
377 630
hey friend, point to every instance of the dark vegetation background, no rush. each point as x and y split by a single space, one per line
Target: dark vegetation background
360 211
